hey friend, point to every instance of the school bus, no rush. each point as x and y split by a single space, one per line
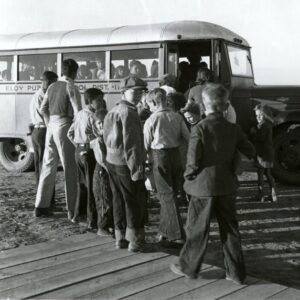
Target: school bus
104 56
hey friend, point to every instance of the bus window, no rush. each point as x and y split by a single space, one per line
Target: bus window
141 62
32 67
91 65
240 61
6 67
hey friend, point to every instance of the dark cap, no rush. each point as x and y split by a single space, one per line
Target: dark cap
133 82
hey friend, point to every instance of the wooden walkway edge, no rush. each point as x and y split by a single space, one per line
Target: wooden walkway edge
89 267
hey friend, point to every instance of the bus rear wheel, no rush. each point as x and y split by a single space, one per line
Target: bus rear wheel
15 155
287 154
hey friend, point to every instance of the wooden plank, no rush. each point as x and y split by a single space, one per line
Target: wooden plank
260 290
177 286
288 293
44 246
91 288
135 285
52 250
37 287
214 290
53 260
55 270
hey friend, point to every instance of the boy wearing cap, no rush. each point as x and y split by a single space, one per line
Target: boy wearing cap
211 181
163 131
123 137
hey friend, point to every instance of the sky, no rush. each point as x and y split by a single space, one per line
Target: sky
272 27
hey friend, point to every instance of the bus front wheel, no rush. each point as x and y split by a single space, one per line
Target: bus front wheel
287 154
15 155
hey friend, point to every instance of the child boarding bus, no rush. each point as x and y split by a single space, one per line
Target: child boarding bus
104 57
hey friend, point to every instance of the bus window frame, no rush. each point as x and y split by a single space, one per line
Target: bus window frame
13 69
228 59
147 79
86 80
33 81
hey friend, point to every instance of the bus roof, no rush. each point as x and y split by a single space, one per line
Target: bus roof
172 31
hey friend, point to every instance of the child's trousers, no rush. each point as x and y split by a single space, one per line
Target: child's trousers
103 198
85 202
129 201
167 171
198 224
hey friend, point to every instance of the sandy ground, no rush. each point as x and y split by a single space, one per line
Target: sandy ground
270 232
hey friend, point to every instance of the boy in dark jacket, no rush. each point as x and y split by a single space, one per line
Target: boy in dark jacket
211 181
123 137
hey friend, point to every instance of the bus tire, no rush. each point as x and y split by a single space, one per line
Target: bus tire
15 155
286 143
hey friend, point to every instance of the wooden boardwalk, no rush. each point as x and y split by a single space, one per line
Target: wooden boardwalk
87 266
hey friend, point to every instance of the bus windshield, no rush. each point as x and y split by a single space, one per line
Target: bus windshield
240 61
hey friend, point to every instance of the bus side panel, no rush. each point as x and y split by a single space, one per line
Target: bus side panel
22 113
7 115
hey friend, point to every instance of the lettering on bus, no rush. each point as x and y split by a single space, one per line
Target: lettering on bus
106 87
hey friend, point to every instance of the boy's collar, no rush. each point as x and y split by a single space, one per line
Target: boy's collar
160 109
127 103
215 115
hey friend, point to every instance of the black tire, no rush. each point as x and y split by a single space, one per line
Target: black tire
286 142
15 155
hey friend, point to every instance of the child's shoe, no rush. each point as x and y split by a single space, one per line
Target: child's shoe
103 232
274 195
135 247
122 244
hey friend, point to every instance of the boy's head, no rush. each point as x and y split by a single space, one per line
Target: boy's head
69 68
168 79
94 98
48 77
176 101
263 112
157 98
98 119
191 113
204 75
133 88
215 98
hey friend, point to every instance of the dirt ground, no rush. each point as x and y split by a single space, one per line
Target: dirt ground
270 232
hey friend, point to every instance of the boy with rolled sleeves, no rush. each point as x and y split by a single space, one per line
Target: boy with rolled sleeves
80 134
123 137
210 179
163 132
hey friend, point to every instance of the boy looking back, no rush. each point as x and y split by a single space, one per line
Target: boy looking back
80 134
163 131
210 180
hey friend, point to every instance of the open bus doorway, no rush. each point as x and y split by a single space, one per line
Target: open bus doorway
185 58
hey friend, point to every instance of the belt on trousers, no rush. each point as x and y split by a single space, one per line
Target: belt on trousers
39 126
83 145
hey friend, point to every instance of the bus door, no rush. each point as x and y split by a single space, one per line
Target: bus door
171 61
185 58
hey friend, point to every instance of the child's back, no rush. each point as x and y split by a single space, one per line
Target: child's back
167 128
212 150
